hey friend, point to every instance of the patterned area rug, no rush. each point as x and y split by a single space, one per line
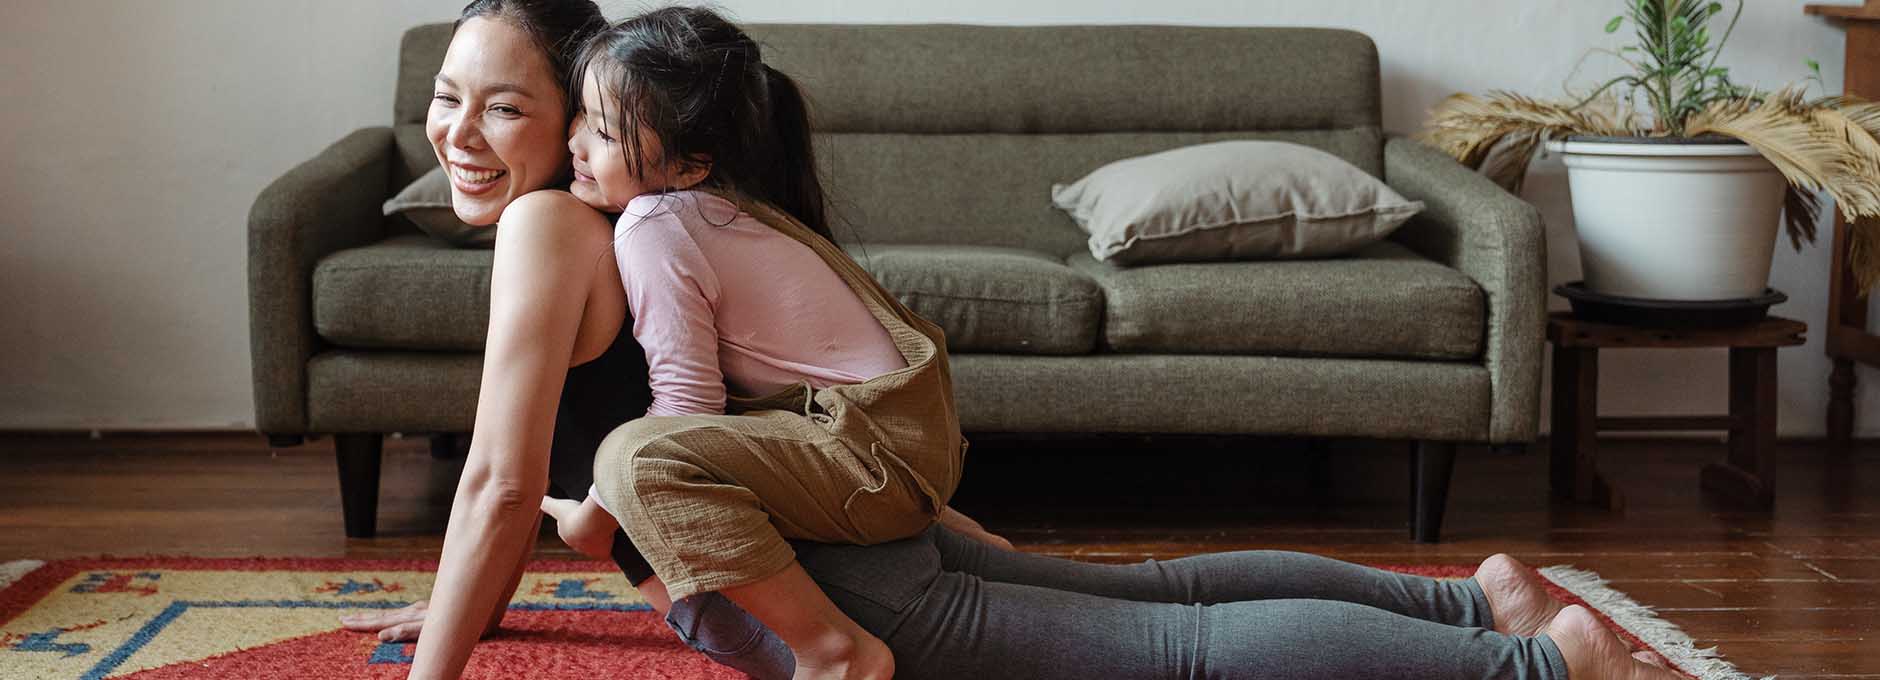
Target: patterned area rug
248 619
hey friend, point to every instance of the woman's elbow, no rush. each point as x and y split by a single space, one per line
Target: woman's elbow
500 494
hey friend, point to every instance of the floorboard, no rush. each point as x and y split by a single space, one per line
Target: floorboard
1795 591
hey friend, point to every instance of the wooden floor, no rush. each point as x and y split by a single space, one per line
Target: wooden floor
1795 592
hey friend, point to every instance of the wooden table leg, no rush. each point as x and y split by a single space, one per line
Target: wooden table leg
1748 475
1841 384
1574 474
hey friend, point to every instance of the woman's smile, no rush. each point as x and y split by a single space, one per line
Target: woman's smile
473 180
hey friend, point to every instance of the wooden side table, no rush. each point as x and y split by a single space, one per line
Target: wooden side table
1847 341
1747 474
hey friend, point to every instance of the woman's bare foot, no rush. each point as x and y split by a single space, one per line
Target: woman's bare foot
1652 658
1594 653
1518 602
841 656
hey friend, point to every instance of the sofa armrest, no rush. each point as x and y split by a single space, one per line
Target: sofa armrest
328 203
1497 239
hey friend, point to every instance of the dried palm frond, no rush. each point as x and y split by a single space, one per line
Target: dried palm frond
1498 134
1854 123
1829 145
1864 239
1813 152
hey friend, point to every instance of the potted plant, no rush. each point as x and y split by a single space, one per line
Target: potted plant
1678 175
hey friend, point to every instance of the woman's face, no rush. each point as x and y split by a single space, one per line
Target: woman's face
497 119
602 176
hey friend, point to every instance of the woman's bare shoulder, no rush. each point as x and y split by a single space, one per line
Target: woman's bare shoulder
551 205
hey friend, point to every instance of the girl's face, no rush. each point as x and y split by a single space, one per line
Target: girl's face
603 178
496 119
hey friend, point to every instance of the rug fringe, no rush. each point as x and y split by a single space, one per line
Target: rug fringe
16 570
1643 622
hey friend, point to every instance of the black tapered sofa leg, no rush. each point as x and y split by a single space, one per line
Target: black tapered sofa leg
449 445
1430 466
359 458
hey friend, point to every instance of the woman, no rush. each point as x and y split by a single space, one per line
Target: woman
498 124
948 607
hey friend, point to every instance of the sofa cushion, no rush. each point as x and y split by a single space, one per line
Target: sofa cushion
989 299
406 292
1382 301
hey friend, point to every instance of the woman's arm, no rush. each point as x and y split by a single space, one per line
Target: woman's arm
552 263
404 624
489 532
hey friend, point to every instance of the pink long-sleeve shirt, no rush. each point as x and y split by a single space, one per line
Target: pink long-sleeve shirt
721 301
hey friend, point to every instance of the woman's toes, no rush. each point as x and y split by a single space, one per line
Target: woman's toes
1518 602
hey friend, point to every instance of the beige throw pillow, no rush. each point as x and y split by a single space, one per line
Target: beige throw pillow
1231 200
426 202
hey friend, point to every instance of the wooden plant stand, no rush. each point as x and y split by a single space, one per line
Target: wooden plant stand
1847 340
1747 475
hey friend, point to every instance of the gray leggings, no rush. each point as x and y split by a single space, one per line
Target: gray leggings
951 607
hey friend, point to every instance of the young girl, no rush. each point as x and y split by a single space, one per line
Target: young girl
793 396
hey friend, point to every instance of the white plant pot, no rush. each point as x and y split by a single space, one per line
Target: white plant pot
1674 220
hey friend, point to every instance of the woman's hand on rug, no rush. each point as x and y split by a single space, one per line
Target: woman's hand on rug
952 519
397 625
583 525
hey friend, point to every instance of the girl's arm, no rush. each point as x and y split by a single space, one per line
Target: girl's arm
673 293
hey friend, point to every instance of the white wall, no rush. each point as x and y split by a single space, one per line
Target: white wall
138 133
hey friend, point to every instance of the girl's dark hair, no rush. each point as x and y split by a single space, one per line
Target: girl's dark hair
558 27
701 86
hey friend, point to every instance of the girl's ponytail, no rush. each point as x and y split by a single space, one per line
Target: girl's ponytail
797 188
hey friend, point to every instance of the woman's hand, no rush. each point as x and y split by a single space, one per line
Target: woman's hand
952 519
397 625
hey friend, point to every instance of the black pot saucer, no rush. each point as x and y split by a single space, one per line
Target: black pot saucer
1653 313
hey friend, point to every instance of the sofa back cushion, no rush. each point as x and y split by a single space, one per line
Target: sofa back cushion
949 133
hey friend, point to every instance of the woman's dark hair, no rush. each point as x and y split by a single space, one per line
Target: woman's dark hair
700 84
558 27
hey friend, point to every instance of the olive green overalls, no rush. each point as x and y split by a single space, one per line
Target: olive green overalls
710 499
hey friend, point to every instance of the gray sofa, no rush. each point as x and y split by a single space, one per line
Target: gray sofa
940 144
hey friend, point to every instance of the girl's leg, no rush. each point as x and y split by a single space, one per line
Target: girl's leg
1226 577
596 397
823 641
709 499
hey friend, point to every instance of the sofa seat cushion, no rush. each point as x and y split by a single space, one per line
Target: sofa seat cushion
1383 300
406 292
991 299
